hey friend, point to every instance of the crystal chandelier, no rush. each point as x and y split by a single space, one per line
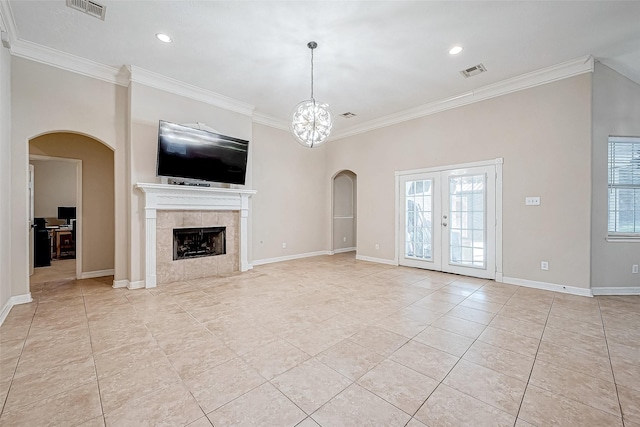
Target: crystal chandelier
311 121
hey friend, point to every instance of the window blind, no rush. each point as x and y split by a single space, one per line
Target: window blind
624 185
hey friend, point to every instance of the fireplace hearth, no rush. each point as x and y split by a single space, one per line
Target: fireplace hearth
198 242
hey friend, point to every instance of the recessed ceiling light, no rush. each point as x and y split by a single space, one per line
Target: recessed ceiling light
163 38
455 50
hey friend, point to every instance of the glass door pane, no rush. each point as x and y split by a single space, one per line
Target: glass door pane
467 224
418 219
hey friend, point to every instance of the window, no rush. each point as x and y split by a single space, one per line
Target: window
624 187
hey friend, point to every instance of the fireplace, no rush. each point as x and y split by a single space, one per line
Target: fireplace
199 242
169 207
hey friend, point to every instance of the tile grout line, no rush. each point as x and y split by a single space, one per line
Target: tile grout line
24 343
535 358
166 356
95 369
459 358
604 330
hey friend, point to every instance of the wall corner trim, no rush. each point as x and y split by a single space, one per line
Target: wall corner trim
342 250
140 284
554 287
96 273
18 299
616 290
377 260
546 75
120 283
289 257
167 84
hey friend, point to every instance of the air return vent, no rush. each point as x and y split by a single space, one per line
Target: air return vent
472 71
89 7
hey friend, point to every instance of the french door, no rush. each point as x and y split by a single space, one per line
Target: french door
447 220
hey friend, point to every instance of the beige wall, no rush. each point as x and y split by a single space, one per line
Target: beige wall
616 112
6 253
47 99
291 205
147 106
543 133
97 221
54 184
544 136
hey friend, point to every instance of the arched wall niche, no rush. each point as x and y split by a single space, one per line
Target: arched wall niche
344 211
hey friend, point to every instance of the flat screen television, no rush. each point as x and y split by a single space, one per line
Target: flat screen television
186 152
67 213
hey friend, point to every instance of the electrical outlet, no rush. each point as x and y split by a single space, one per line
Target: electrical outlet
284 245
634 268
532 201
544 265
377 246
344 239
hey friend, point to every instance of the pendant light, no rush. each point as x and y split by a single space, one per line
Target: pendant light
311 121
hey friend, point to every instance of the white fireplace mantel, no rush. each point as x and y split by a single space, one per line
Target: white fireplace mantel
183 197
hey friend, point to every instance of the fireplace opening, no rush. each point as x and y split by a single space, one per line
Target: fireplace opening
199 242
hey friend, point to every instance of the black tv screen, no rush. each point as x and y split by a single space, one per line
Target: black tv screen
185 152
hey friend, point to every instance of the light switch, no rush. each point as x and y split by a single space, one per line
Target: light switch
532 201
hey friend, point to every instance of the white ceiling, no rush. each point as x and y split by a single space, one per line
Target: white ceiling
373 58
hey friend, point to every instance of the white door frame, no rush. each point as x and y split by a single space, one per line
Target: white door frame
497 162
31 221
78 164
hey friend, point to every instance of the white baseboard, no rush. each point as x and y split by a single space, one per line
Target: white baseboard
136 285
341 251
97 273
616 291
377 260
120 283
127 284
18 299
289 257
548 286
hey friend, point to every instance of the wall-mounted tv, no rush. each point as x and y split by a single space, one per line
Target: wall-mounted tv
186 152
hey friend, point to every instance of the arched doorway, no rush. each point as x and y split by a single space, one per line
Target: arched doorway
95 213
344 224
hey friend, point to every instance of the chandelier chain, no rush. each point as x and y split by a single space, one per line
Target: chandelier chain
311 73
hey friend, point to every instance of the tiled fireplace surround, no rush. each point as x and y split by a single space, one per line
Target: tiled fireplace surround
169 270
174 206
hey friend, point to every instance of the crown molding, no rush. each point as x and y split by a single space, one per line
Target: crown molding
66 61
554 73
158 81
267 120
7 22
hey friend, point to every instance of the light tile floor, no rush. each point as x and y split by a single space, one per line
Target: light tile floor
326 341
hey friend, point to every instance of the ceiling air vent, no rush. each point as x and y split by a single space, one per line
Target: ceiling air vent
89 7
476 69
348 115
